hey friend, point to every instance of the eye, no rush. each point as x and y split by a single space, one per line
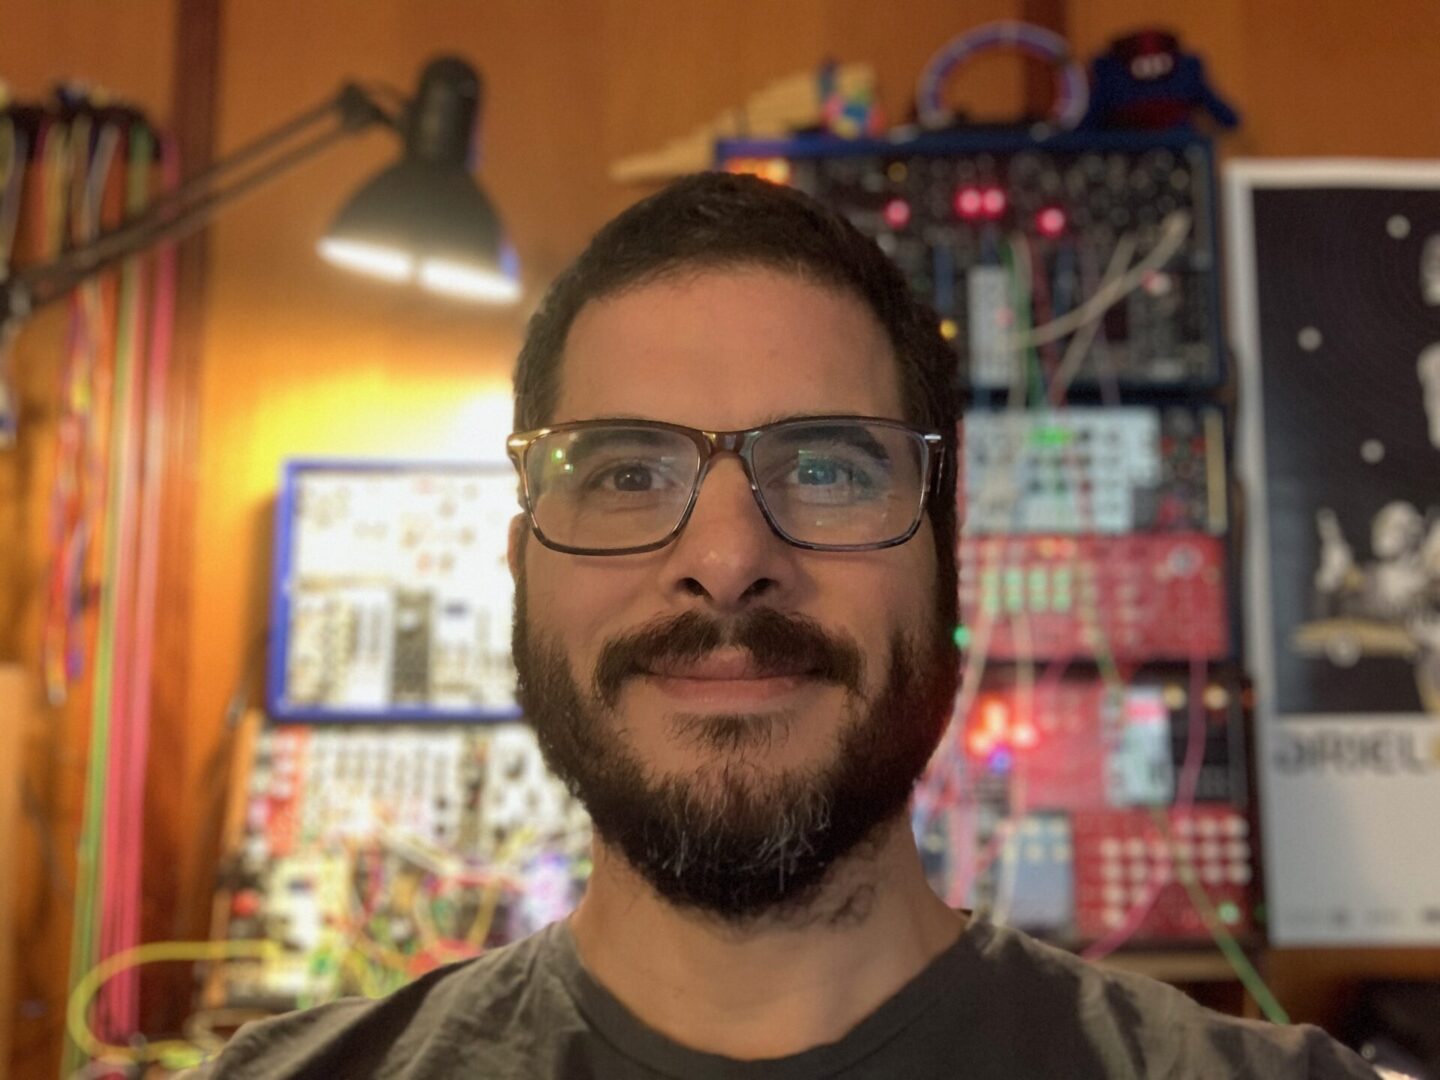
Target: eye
830 478
821 471
626 477
631 476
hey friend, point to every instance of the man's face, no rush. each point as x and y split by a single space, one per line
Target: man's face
640 671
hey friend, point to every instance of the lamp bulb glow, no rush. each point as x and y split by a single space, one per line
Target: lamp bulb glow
468 282
376 260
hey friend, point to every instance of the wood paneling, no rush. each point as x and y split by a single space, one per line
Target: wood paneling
169 809
124 49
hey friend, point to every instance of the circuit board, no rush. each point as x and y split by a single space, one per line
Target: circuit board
997 231
371 854
1073 808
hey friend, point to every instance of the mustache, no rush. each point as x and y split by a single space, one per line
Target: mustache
777 642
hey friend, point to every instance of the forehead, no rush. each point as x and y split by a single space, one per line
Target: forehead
727 349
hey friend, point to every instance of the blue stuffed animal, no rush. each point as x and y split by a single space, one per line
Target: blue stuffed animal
1144 80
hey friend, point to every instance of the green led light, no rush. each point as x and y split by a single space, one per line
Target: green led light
990 592
1229 912
962 637
1061 585
558 453
1039 597
1051 435
1014 589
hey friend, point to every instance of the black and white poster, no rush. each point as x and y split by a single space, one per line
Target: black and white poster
1334 285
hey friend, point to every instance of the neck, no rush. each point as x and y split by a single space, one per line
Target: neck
776 987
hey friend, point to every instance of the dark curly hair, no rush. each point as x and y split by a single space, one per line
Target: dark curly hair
718 221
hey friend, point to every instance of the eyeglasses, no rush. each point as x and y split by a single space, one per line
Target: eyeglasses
827 483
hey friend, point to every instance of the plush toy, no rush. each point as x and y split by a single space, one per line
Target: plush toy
1146 81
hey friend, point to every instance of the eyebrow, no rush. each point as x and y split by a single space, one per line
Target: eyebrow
592 438
850 434
766 421
781 418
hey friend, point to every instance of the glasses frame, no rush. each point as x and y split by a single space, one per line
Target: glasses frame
740 443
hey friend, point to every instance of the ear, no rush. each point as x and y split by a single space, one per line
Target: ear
515 549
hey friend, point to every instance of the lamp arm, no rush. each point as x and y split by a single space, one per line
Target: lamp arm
193 203
353 106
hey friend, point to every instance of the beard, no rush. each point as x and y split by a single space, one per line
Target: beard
731 838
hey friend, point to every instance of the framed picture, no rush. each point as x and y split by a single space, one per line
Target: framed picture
1334 282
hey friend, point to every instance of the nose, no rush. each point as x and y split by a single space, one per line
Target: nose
727 556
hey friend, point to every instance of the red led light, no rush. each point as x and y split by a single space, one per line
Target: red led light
994 716
897 213
994 727
1157 283
968 202
1023 736
992 202
1050 222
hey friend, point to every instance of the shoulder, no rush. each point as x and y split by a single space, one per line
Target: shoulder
1142 1027
458 1005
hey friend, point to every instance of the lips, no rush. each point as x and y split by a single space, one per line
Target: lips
725 666
728 680
693 651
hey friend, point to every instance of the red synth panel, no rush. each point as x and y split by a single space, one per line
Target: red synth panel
1058 753
276 811
1144 597
1120 855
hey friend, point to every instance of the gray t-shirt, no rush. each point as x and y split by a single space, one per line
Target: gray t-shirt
995 1004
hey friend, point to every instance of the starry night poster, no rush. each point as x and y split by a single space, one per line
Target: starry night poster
1347 292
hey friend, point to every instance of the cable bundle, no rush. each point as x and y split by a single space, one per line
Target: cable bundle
93 167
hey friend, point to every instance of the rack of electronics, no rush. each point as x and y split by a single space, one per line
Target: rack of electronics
1094 787
394 814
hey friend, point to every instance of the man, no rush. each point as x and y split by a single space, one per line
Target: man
735 581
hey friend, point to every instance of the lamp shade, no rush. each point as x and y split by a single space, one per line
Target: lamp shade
424 218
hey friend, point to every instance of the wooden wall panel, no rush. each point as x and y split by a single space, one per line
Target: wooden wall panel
168 819
124 48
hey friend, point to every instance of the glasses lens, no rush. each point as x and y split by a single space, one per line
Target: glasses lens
610 487
841 483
